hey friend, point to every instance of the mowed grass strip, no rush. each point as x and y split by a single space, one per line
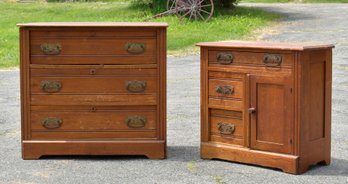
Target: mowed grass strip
182 36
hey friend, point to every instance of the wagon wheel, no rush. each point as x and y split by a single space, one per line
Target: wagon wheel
195 9
171 4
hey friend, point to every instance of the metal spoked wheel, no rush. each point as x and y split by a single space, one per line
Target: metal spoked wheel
171 4
194 9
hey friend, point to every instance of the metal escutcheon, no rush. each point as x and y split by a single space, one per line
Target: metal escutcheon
224 58
50 86
51 49
226 128
272 60
226 90
135 121
136 86
135 47
51 123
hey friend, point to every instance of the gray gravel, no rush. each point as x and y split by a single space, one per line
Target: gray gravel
303 22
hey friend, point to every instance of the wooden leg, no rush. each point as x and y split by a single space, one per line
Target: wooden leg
290 170
156 156
31 156
325 162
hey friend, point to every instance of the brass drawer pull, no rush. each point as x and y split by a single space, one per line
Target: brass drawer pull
226 128
224 58
136 86
136 121
50 86
272 60
51 49
135 48
226 90
51 123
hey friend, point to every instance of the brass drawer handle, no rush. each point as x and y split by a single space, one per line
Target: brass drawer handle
224 58
51 123
51 49
136 121
135 48
226 90
50 86
136 86
226 128
272 60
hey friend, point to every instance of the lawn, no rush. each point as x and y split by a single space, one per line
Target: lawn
239 23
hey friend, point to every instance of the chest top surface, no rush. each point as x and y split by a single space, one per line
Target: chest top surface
93 24
266 45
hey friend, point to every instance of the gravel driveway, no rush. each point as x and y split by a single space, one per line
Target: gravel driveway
303 22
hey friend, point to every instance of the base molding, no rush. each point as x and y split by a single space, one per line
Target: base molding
287 163
34 149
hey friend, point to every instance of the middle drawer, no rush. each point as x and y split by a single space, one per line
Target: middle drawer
74 86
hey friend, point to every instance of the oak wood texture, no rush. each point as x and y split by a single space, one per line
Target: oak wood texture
281 108
93 89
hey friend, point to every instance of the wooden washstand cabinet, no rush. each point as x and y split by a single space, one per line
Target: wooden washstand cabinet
267 104
93 89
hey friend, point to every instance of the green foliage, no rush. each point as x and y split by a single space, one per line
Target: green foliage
226 3
156 6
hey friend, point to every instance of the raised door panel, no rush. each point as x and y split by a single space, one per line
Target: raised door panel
271 113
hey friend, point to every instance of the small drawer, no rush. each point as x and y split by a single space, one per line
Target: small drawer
226 126
228 58
112 123
226 88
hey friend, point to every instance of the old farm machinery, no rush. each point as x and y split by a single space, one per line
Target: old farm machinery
191 9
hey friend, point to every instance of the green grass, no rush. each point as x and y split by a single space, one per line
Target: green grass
294 1
233 24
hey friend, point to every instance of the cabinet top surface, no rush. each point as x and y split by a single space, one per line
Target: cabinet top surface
266 45
94 24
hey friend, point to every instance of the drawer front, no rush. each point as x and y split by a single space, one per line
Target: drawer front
107 99
227 58
226 88
94 120
93 86
97 123
92 47
226 126
133 85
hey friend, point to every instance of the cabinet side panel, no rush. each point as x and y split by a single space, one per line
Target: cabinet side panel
315 68
204 95
24 82
316 99
162 77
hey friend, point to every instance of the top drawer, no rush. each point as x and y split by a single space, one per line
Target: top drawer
93 47
228 58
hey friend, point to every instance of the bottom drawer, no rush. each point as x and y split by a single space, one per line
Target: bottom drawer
226 126
93 124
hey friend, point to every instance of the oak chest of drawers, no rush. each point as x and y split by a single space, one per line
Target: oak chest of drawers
266 104
93 89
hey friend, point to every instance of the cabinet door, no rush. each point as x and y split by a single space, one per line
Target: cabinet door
271 113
